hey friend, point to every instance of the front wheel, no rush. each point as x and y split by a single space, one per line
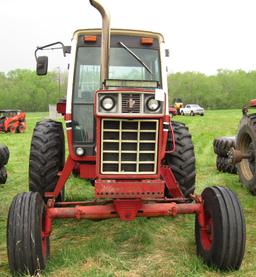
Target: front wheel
192 113
27 248
221 241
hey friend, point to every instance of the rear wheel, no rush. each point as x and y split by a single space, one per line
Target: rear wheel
3 175
182 161
223 164
221 241
222 145
4 155
28 249
47 157
246 143
21 128
12 129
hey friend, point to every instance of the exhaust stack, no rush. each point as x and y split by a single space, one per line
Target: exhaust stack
105 40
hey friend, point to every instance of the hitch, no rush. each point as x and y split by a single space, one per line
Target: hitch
236 156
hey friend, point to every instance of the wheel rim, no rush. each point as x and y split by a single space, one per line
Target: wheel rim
44 239
21 129
206 232
247 166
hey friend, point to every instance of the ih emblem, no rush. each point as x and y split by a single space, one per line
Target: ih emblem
131 102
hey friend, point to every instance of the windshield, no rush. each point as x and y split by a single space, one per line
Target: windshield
122 66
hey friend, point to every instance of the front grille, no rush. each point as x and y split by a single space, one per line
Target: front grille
129 146
131 103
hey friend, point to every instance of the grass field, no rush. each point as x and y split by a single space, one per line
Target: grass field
144 247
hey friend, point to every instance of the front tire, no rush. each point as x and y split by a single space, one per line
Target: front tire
221 242
28 250
182 161
47 157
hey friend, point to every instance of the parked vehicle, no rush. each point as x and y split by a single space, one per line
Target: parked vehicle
178 104
120 137
192 109
13 121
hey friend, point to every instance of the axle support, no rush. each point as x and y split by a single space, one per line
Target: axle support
125 209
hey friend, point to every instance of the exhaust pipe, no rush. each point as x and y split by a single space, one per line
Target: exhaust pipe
105 41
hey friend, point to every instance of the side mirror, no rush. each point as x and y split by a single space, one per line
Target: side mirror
41 65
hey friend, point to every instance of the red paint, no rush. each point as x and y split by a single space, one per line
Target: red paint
171 182
87 171
145 189
206 231
253 103
61 106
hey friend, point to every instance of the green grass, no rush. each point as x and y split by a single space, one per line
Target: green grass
144 247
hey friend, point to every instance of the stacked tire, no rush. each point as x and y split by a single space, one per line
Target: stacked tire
222 146
4 157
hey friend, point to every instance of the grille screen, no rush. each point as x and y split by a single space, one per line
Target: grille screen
129 146
131 103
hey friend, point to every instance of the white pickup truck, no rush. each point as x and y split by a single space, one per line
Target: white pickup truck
192 109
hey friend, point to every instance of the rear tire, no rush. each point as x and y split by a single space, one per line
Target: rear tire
223 164
222 145
27 250
182 161
4 155
246 143
3 175
222 242
47 157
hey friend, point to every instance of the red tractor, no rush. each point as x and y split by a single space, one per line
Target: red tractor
12 121
121 138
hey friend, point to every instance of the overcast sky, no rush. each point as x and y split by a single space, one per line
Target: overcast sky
202 35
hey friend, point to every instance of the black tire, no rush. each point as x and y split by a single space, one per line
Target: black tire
246 143
3 175
4 155
223 164
221 243
222 145
27 250
192 113
182 161
47 157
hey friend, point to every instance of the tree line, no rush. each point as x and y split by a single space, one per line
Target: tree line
225 90
23 89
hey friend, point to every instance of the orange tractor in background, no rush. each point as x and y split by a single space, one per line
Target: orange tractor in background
13 121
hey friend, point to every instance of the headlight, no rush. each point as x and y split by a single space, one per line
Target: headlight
107 103
79 151
153 104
